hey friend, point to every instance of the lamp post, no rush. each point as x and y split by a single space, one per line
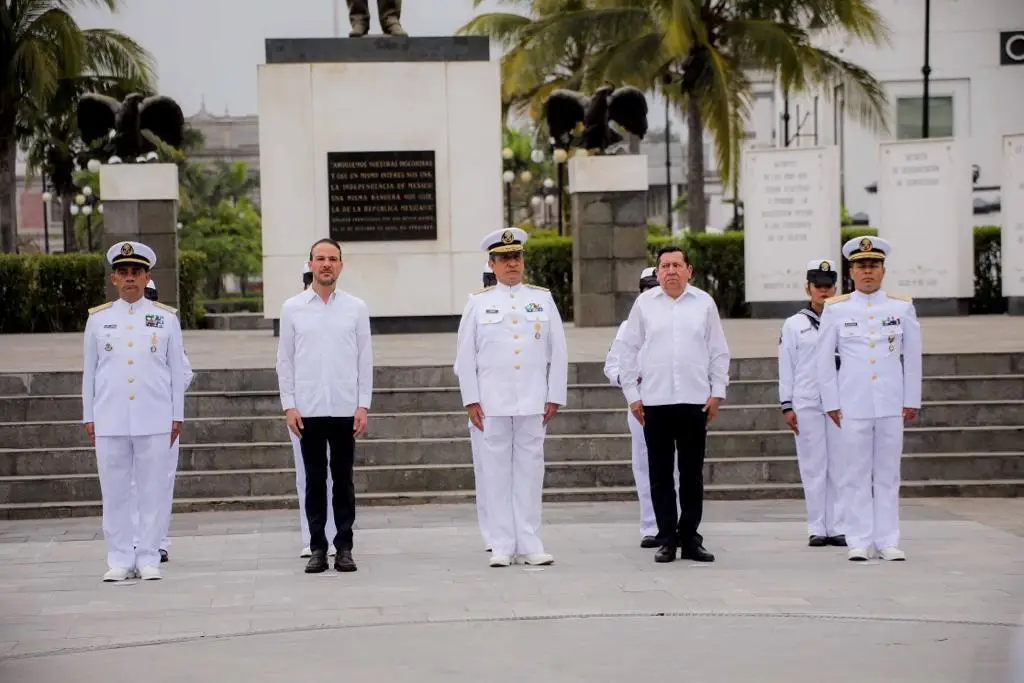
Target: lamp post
86 202
508 176
47 198
560 156
926 70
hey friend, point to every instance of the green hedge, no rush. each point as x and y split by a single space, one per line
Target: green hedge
718 267
54 292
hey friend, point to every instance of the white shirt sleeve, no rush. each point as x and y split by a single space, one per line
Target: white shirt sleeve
465 356
558 357
612 369
90 360
912 361
175 359
364 362
718 352
787 366
286 359
629 353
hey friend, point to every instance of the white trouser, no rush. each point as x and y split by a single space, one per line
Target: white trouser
871 452
165 519
642 477
119 460
300 484
475 439
512 468
820 459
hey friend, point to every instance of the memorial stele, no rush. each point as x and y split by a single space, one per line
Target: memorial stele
392 146
791 215
1012 195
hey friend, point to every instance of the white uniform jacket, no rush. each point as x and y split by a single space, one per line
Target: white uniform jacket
878 339
133 373
512 357
798 371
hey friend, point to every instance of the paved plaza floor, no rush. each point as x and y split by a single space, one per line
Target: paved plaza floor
216 349
424 606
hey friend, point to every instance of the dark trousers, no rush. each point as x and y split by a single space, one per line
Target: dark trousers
317 433
668 429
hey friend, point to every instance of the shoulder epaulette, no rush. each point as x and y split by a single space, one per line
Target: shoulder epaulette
836 299
170 309
901 297
101 307
483 289
543 289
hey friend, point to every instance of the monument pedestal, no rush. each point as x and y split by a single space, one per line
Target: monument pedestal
391 146
140 203
609 227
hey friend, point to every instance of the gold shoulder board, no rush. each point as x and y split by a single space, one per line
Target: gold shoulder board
101 307
484 289
543 289
167 308
837 299
901 297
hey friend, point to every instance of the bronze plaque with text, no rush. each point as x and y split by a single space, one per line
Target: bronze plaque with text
382 196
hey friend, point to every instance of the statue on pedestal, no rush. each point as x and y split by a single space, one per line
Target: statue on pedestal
575 120
389 13
114 130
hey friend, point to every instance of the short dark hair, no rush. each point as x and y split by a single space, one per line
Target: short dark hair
325 240
670 249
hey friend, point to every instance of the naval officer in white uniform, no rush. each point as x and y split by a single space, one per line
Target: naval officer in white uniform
133 405
876 389
641 474
817 437
510 334
172 462
300 472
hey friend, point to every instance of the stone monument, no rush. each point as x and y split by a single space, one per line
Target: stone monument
389 14
1012 259
140 195
392 147
608 198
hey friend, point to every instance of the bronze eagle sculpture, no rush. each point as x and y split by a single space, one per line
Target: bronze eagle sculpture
120 124
566 110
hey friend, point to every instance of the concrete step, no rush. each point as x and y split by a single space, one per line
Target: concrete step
459 477
278 454
33 408
450 425
973 488
265 379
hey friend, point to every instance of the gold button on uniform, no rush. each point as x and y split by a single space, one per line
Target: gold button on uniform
872 361
871 345
130 344
517 367
130 380
132 397
131 362
517 352
874 377
871 317
130 327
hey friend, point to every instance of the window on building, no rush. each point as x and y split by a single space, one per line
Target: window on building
908 117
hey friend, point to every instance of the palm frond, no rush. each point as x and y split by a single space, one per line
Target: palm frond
113 54
864 95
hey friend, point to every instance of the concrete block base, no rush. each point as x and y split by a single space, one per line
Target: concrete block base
1015 305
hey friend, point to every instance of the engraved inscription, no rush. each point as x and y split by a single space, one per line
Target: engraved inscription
382 196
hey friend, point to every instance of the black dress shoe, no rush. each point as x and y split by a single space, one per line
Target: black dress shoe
838 541
818 541
343 561
697 553
163 556
666 553
649 542
317 562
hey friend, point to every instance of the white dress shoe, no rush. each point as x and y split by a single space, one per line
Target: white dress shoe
893 554
118 575
858 554
306 552
150 574
538 559
500 560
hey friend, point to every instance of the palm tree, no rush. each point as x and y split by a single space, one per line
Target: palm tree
536 62
41 47
700 54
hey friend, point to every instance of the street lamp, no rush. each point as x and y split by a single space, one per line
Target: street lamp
86 202
926 70
47 198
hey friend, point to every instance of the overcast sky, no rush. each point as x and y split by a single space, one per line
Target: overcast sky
210 48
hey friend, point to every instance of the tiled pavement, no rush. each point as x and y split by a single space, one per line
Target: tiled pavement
213 349
235 604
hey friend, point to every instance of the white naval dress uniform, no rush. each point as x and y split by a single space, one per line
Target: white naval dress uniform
133 388
817 445
641 472
172 471
872 386
509 337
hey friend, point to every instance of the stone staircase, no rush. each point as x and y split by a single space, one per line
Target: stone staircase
235 452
